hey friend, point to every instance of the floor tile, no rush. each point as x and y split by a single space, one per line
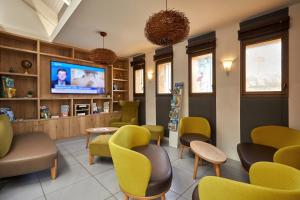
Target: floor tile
111 198
181 180
25 187
88 189
75 147
100 164
187 164
109 181
66 176
173 153
119 196
182 198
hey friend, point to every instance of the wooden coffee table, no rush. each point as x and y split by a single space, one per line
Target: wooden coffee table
100 130
209 153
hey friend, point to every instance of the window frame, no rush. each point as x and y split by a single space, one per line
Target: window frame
284 64
135 68
196 54
159 62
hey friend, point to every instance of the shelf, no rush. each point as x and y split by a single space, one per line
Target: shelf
18 74
56 56
119 69
119 90
18 99
117 79
17 49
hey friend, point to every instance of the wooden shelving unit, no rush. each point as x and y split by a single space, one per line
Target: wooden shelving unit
120 82
15 48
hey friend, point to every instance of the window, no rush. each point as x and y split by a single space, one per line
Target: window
263 67
202 73
164 77
139 81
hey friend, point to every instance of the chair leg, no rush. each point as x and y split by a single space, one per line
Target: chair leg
91 159
53 170
158 141
163 196
181 150
126 197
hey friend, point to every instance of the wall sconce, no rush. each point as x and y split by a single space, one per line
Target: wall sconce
227 64
150 75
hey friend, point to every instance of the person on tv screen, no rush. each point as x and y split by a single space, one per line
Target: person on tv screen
61 78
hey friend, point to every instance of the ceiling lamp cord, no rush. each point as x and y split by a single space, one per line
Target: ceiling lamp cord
166 4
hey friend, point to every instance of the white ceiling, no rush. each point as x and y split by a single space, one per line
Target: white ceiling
124 20
41 19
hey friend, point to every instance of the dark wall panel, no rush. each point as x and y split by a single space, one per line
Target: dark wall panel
163 107
142 109
204 106
258 111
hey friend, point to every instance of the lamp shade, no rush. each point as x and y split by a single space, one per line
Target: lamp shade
167 27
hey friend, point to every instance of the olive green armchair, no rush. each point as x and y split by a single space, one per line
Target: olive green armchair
268 181
129 114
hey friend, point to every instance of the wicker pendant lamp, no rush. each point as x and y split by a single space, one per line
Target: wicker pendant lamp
101 55
167 27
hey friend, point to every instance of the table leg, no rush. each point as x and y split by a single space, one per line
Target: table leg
87 140
217 169
195 166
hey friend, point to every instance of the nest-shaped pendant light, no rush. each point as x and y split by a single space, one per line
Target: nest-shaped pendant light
101 55
167 27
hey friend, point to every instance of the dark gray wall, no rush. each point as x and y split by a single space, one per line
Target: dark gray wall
163 107
261 110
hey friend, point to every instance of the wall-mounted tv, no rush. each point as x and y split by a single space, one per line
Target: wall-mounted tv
67 78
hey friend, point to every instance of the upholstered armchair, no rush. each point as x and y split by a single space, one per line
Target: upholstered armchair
268 181
271 143
129 114
193 128
143 170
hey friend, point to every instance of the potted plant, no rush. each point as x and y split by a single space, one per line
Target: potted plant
29 94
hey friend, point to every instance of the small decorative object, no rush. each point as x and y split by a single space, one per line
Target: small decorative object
64 110
115 86
45 113
108 95
8 87
167 27
29 94
101 55
26 64
106 106
12 70
8 112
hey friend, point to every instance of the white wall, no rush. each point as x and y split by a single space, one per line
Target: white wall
294 67
228 91
228 87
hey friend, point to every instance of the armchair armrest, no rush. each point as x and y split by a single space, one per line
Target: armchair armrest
289 156
217 188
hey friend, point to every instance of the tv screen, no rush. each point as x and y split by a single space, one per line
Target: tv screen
67 78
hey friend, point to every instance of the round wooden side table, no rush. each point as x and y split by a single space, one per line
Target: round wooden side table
209 153
100 130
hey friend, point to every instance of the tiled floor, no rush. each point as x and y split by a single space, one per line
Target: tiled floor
77 180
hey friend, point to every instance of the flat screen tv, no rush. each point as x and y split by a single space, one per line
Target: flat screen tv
67 78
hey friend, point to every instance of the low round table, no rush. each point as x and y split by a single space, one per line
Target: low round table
102 130
209 153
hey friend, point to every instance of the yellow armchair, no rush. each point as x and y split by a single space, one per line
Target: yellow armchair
268 181
130 150
193 128
271 143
